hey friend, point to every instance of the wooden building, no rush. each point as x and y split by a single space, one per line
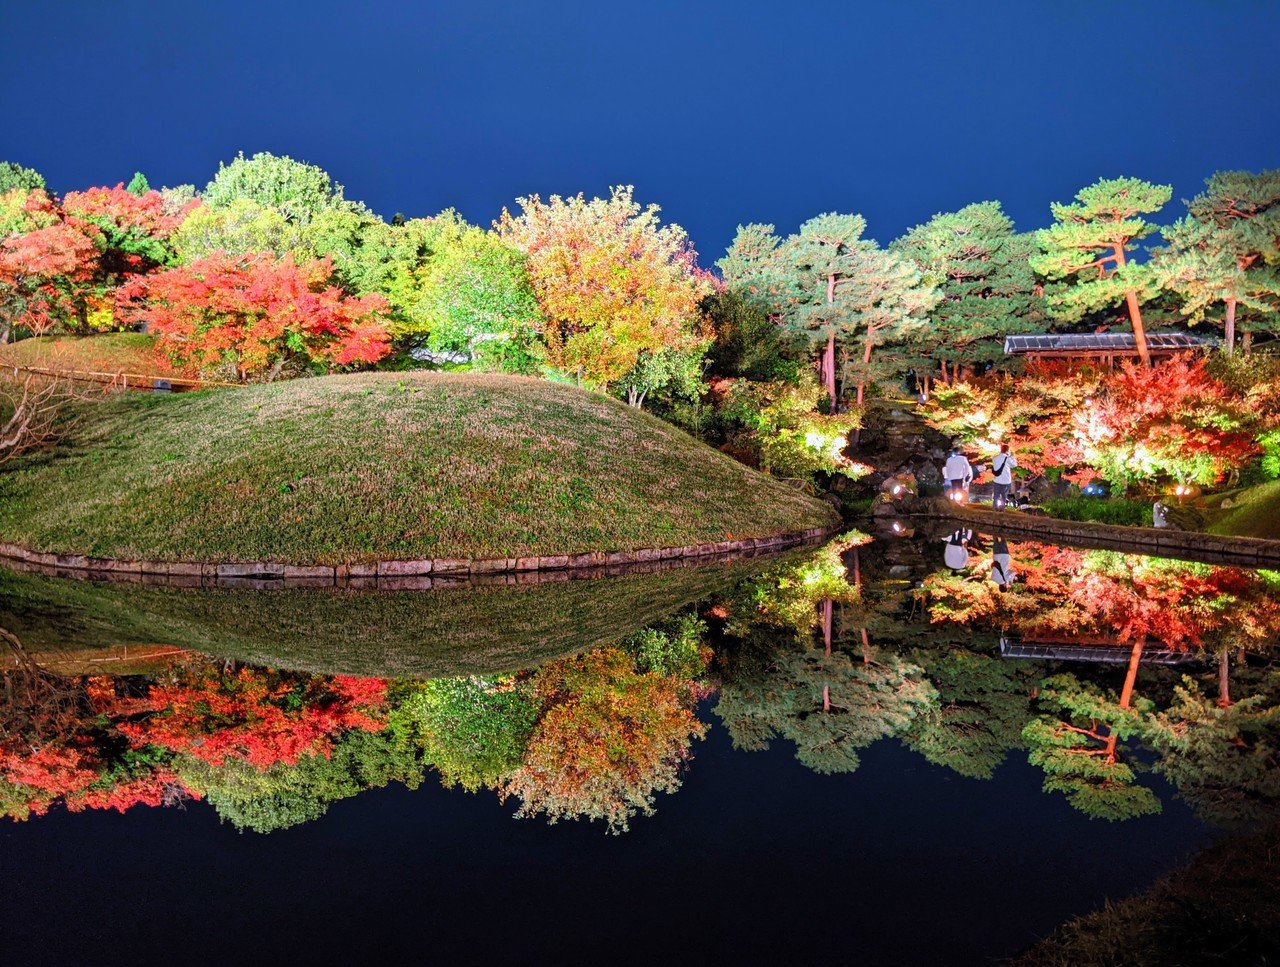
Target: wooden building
1104 347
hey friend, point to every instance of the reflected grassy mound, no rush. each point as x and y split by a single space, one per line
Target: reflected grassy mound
377 466
387 634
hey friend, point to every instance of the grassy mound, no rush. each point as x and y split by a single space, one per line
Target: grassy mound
1254 512
114 352
374 466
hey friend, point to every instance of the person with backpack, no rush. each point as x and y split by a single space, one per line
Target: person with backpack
1002 467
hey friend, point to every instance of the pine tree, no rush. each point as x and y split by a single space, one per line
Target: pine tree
833 289
1227 249
988 290
138 184
1085 251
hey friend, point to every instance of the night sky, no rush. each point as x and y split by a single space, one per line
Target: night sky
720 112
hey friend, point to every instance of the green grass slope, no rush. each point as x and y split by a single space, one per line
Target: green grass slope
356 468
1254 512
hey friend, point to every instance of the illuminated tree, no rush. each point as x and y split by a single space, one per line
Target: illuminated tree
611 282
609 740
983 705
255 316
1225 761
1227 250
286 794
474 731
298 190
14 177
1086 252
1077 744
834 289
987 288
477 301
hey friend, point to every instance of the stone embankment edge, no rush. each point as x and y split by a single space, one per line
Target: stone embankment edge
407 574
1159 542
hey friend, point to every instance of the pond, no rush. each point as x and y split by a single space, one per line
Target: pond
853 753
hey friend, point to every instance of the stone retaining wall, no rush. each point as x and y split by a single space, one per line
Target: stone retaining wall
401 574
1156 541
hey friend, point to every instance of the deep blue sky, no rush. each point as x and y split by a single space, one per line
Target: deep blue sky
722 113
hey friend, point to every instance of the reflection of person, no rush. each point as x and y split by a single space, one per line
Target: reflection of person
1002 467
1002 564
956 472
1158 510
956 554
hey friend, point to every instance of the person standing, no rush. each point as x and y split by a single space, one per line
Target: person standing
1001 564
957 474
1002 467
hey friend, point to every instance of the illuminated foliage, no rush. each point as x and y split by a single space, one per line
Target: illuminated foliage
15 177
260 717
255 315
612 283
474 730
782 431
609 740
1225 761
1173 422
298 190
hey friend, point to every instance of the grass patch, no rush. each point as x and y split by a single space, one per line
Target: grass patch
381 465
113 352
1254 512
1130 513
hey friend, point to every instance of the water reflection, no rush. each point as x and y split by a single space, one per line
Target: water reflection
585 700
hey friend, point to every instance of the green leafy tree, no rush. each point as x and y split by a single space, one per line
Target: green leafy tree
474 730
1226 251
477 301
829 705
674 647
289 794
987 289
1086 251
14 177
297 190
748 341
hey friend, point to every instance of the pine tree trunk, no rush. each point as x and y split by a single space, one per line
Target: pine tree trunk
945 379
827 609
826 698
1246 343
1131 676
829 370
1229 333
866 361
1135 314
1224 680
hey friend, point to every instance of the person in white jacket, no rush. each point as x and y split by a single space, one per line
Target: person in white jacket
1002 468
957 474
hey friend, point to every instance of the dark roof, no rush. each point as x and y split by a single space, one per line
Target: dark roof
1112 654
1119 342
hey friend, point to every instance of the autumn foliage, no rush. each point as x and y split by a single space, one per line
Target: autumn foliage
254 315
1173 422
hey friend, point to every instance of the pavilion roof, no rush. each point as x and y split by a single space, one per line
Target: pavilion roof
1100 342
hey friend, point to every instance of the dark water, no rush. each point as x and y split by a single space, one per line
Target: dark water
885 857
